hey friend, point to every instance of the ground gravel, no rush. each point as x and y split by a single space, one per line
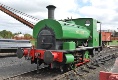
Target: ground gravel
47 75
10 61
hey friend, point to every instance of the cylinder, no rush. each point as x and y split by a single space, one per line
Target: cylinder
51 9
69 58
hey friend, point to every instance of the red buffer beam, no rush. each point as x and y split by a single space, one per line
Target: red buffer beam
16 17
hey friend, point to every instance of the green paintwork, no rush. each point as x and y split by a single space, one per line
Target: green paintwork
69 45
50 23
69 58
35 43
86 55
94 42
72 29
62 29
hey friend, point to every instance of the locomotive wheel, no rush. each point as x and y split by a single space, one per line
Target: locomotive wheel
67 67
94 53
39 62
72 66
99 50
37 65
63 68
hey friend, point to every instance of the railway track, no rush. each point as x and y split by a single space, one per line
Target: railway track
52 75
90 67
11 66
44 74
80 73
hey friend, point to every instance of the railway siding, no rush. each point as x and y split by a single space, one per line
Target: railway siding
89 71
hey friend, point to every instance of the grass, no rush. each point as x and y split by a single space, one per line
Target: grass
32 41
114 42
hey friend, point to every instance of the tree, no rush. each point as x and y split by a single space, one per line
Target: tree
6 34
27 36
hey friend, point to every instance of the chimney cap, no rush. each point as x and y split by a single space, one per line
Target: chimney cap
51 6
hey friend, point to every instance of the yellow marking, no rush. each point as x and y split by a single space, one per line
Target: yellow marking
80 32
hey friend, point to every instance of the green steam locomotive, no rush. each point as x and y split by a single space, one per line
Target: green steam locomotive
63 44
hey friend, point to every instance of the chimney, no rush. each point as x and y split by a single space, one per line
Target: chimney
51 9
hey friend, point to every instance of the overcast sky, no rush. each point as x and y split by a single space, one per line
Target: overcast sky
105 11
